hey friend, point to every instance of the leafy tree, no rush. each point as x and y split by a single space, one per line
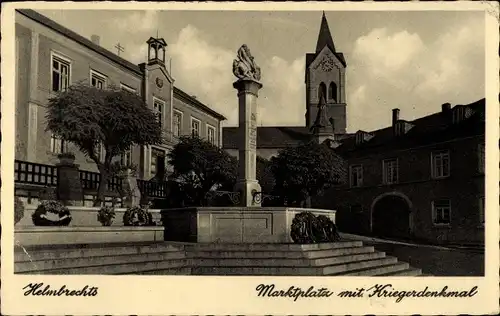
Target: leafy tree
89 117
200 166
305 171
265 175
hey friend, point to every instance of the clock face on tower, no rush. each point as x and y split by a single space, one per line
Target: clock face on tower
327 63
159 82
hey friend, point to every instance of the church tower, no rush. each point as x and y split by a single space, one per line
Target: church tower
325 78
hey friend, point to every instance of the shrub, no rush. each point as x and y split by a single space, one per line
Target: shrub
18 210
106 215
308 229
136 216
40 218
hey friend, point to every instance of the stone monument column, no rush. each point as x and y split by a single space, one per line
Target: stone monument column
247 183
248 86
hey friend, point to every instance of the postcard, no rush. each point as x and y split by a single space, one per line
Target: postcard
270 158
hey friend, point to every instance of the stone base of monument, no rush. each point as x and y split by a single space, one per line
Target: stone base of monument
233 224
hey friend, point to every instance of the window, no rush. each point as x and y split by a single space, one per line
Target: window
332 92
458 114
481 157
390 171
58 145
441 212
440 164
157 161
359 138
124 87
211 134
126 158
356 176
61 69
158 108
400 128
97 80
322 91
195 127
177 123
481 210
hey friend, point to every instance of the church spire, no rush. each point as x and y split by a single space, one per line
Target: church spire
321 123
324 37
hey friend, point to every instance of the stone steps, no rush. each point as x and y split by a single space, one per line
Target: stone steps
171 271
90 250
378 270
270 247
172 258
406 272
121 268
313 254
69 263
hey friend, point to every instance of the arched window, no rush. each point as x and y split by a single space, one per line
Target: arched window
332 92
322 91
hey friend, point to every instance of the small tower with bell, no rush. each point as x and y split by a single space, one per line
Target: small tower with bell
156 51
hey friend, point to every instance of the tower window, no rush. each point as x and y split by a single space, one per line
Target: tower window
332 92
322 90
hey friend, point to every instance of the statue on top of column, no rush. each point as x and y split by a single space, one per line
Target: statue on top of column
245 67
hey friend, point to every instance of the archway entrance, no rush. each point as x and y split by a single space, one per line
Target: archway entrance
391 217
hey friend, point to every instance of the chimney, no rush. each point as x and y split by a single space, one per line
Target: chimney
445 107
95 39
395 116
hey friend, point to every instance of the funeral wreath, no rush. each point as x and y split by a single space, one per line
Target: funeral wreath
310 229
136 216
60 214
106 215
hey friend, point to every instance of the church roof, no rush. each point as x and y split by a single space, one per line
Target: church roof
269 136
109 55
324 37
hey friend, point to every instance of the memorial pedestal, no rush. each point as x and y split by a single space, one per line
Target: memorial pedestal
233 224
247 183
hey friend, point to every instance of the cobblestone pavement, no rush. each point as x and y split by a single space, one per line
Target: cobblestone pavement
435 260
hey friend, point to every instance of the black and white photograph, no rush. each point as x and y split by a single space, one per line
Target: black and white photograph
268 143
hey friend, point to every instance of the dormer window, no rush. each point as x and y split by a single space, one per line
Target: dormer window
362 136
461 113
402 127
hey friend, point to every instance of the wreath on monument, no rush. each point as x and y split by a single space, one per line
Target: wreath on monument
310 229
136 216
106 215
42 215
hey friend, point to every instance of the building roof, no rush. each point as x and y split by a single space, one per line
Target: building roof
429 129
324 36
109 55
181 95
269 136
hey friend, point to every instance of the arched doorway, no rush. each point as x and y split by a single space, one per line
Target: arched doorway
391 216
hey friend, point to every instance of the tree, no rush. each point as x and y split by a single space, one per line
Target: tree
265 175
200 167
305 171
114 119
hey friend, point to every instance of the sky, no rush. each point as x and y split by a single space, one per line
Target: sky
414 61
